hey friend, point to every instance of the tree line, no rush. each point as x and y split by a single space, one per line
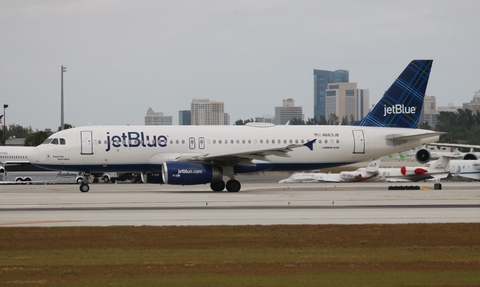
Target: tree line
332 119
462 126
32 138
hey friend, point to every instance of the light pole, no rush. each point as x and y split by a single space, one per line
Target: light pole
64 69
4 120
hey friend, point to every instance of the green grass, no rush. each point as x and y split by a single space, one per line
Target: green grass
282 255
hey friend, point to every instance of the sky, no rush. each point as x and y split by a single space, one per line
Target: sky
123 57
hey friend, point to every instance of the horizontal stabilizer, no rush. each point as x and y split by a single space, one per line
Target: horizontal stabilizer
400 137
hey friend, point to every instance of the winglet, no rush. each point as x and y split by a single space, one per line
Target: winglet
402 103
310 144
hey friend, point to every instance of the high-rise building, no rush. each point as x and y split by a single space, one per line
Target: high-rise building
185 118
287 112
474 104
429 112
157 118
363 102
345 100
206 112
321 79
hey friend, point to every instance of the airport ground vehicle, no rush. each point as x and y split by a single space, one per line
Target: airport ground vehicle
41 177
120 176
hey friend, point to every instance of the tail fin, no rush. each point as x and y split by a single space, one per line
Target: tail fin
374 165
402 103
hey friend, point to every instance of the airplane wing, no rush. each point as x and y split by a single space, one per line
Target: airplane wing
456 145
245 157
15 162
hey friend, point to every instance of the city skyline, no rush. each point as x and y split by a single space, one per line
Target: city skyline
123 57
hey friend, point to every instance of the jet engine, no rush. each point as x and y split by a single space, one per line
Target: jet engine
423 156
186 173
470 156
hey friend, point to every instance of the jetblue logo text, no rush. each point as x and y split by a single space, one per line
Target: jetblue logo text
189 171
135 139
398 109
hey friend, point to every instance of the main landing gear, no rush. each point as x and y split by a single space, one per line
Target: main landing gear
232 185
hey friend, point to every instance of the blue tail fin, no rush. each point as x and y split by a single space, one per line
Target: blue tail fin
402 103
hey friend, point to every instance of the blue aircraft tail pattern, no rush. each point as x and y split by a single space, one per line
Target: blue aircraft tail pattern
402 103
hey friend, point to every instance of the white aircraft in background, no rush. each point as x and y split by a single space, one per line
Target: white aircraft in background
466 168
361 174
13 155
205 154
435 171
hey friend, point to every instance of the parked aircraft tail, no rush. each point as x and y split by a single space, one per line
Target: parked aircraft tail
402 103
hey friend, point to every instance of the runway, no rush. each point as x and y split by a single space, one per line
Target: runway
258 203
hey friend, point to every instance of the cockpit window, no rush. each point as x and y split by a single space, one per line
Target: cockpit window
62 141
54 141
47 141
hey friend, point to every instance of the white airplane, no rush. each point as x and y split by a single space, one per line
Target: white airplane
435 171
361 174
467 168
13 155
205 154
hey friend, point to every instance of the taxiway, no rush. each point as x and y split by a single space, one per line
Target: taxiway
259 203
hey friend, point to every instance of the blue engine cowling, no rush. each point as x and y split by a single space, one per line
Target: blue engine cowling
186 173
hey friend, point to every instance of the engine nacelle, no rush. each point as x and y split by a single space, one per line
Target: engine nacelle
470 156
423 156
187 173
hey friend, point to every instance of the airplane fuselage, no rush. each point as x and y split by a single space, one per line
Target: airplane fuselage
145 148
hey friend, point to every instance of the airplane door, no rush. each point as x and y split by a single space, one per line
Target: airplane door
201 143
86 144
192 142
358 141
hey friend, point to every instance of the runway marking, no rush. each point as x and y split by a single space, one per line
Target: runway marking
33 222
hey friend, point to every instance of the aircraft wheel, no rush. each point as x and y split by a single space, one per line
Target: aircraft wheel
84 187
217 186
233 185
